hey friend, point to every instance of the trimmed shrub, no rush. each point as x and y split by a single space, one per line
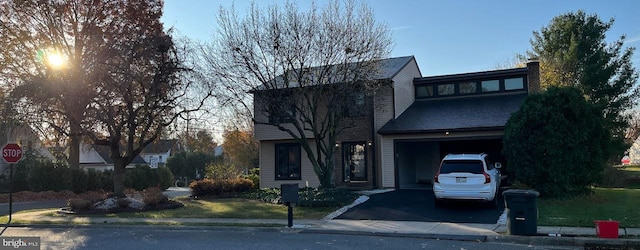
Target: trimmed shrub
79 204
254 176
79 182
142 177
106 178
47 175
165 177
138 178
153 196
556 143
94 180
223 187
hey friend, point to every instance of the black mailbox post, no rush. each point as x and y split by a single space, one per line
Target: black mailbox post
289 193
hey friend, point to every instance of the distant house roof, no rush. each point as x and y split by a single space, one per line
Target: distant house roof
389 68
463 113
159 146
105 153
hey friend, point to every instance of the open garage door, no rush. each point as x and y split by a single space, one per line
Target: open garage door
417 161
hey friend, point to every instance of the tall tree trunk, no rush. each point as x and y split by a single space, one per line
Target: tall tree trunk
74 147
118 178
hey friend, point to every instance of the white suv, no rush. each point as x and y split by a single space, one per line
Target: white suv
467 177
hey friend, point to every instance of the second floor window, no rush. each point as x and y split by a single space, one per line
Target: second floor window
488 86
282 114
355 106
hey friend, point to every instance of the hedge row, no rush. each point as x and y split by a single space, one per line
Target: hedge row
220 187
42 175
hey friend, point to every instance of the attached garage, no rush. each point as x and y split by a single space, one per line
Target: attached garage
446 118
417 160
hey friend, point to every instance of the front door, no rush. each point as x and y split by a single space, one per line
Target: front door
354 164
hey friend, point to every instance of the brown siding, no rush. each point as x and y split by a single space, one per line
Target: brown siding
390 103
404 92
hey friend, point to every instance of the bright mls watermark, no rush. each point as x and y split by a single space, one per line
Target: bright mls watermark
22 243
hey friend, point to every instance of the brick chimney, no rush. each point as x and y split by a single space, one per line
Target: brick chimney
533 75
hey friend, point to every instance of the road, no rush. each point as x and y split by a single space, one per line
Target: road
149 237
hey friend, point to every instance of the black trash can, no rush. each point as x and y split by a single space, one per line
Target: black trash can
522 211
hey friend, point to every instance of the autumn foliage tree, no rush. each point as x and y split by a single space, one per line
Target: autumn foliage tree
242 148
50 56
105 70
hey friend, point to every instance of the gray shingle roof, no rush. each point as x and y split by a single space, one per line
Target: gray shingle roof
466 113
389 68
159 146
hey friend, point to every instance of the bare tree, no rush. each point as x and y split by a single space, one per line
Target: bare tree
304 70
517 61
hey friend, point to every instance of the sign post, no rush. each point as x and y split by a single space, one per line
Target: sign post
11 153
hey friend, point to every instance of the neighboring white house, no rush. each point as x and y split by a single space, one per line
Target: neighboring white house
98 158
157 153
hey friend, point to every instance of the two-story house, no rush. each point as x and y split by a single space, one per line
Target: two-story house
355 148
415 121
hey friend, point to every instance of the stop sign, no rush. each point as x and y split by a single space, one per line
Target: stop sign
11 153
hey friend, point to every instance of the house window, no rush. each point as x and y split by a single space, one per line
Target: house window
490 86
424 91
446 89
356 106
467 87
282 114
514 83
354 162
288 161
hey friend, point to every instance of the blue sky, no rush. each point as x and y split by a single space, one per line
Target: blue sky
446 37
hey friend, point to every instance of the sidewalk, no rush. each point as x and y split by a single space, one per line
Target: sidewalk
569 236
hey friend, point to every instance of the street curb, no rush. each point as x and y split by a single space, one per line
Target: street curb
475 238
164 227
564 241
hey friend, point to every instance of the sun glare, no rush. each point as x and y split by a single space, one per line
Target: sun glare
56 60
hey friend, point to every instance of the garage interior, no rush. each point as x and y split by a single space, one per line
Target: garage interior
417 160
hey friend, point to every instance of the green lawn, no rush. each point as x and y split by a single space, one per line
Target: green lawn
231 208
607 203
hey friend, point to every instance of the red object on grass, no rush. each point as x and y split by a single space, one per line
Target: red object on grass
607 228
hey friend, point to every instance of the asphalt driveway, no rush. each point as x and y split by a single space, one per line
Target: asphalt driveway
418 205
